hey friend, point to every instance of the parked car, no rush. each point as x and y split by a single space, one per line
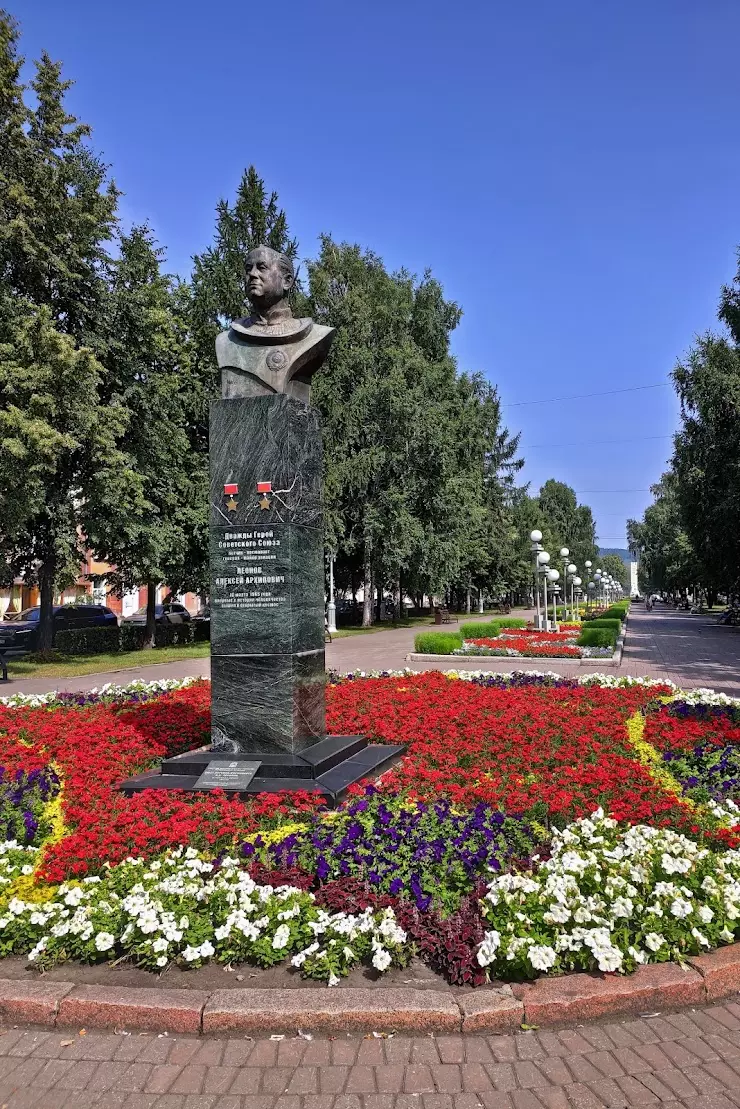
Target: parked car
171 613
203 615
19 632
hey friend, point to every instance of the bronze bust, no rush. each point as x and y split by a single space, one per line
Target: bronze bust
270 351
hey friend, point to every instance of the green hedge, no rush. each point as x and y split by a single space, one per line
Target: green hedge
597 637
201 631
614 625
437 643
490 629
88 641
171 635
618 610
131 637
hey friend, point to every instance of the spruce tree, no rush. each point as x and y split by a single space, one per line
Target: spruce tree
148 375
58 211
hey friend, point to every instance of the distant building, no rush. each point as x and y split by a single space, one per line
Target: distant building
19 595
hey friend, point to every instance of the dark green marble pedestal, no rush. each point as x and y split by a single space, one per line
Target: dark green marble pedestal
267 575
267 613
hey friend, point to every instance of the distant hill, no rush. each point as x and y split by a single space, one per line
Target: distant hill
621 551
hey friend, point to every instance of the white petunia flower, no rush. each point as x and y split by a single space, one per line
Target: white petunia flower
104 941
541 956
281 937
381 958
681 908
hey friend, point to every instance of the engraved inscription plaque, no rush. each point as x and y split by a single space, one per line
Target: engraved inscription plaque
227 775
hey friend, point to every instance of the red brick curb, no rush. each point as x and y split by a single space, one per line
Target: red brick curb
331 1010
545 1002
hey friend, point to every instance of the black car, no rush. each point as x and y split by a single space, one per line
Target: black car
20 631
170 613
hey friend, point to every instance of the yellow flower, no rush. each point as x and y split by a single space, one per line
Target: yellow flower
652 760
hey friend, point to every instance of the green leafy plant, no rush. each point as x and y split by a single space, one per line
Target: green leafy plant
437 643
597 637
88 641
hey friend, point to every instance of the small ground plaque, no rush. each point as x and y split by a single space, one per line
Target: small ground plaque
235 775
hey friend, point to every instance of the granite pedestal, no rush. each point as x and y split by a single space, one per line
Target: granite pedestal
267 612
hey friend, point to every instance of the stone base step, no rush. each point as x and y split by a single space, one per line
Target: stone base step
366 760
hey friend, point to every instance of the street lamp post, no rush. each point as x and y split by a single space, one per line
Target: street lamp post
536 541
552 577
577 582
331 608
588 564
564 558
597 580
571 572
542 560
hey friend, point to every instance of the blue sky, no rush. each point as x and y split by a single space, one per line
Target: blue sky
570 172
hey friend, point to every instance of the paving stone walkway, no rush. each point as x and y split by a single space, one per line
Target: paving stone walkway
690 1060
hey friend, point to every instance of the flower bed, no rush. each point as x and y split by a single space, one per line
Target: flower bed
536 825
533 643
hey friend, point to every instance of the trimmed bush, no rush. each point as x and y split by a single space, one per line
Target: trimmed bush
88 641
618 610
605 622
597 637
173 635
201 631
490 629
437 643
131 637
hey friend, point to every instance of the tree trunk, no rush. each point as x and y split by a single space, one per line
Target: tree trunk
151 615
46 613
468 599
398 607
480 599
367 586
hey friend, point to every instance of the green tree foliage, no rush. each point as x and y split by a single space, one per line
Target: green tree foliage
57 212
56 440
415 453
666 556
688 537
706 457
565 523
617 567
148 376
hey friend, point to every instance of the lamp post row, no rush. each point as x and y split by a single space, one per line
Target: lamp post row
601 588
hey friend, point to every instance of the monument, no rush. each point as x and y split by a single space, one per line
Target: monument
267 564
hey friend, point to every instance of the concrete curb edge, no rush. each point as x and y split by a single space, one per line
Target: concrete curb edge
501 1008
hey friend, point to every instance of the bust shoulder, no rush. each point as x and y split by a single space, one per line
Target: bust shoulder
254 364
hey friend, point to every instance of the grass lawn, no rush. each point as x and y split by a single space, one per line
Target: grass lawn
69 666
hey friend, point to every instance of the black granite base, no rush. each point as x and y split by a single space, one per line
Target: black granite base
329 768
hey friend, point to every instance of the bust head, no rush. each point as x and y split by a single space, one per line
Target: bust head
270 277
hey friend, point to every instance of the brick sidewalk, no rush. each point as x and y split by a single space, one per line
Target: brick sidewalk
690 1060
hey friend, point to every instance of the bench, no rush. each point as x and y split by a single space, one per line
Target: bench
442 615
